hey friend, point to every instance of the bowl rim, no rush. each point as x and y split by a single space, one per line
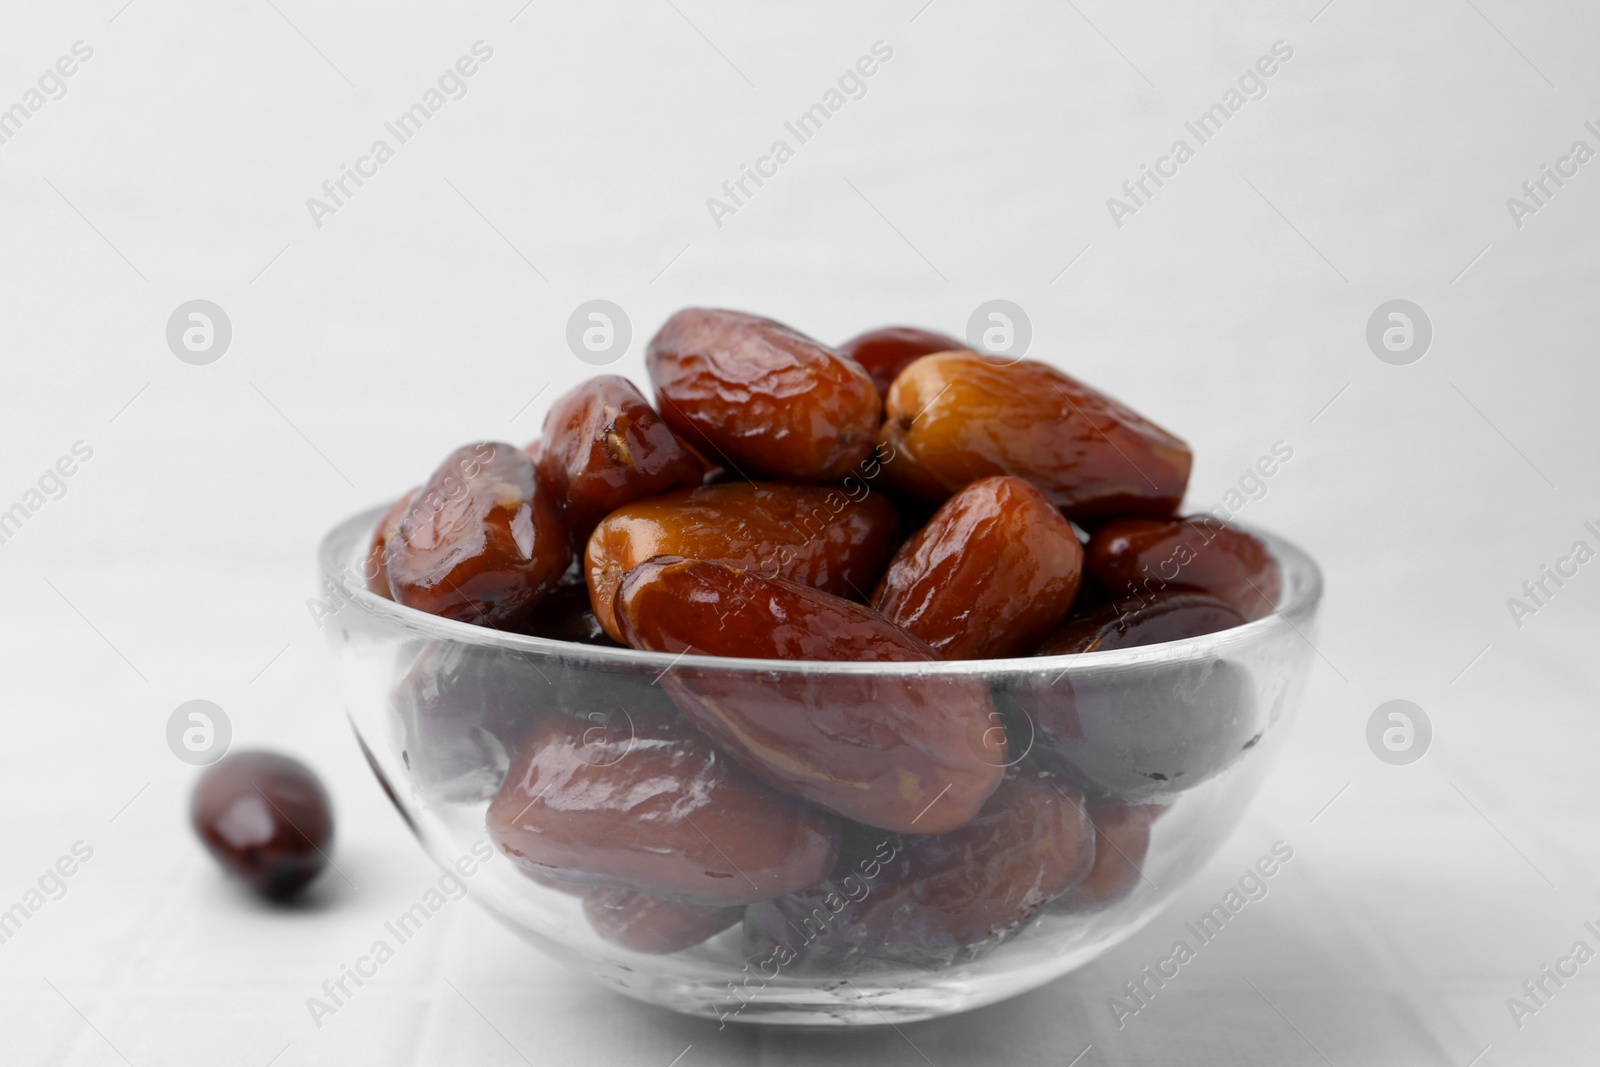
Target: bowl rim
350 540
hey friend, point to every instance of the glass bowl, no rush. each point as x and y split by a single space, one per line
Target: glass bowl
1168 742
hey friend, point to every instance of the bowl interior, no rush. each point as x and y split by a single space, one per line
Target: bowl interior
1190 727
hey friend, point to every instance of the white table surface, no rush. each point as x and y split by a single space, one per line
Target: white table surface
430 311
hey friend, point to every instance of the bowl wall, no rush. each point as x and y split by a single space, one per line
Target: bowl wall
1189 727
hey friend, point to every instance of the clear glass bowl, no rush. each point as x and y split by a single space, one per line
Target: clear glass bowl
1188 727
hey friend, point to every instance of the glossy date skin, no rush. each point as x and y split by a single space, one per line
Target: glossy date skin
266 819
651 925
990 575
887 351
956 417
1148 620
604 446
815 535
649 804
1121 839
1151 737
939 900
760 398
1146 740
1129 557
482 541
904 752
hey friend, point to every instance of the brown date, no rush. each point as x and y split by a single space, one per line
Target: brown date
810 534
1129 557
649 804
939 900
1121 839
887 351
640 922
377 572
903 751
604 446
955 417
266 819
760 398
566 615
990 575
1150 734
461 709
481 542
1148 620
1149 738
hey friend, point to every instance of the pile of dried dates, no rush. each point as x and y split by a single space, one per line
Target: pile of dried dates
897 499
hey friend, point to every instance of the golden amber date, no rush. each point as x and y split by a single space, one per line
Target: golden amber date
604 446
955 417
1134 557
1121 839
990 575
815 535
482 542
887 351
760 398
647 803
901 751
377 569
651 925
933 902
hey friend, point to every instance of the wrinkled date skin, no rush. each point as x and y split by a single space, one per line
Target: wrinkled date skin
651 925
991 574
1147 736
904 752
940 900
481 542
754 395
377 570
603 447
1121 839
887 351
810 534
1130 557
266 819
956 417
1129 623
655 807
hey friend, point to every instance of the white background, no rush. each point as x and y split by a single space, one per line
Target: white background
431 309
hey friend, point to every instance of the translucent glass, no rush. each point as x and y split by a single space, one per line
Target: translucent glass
1189 725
